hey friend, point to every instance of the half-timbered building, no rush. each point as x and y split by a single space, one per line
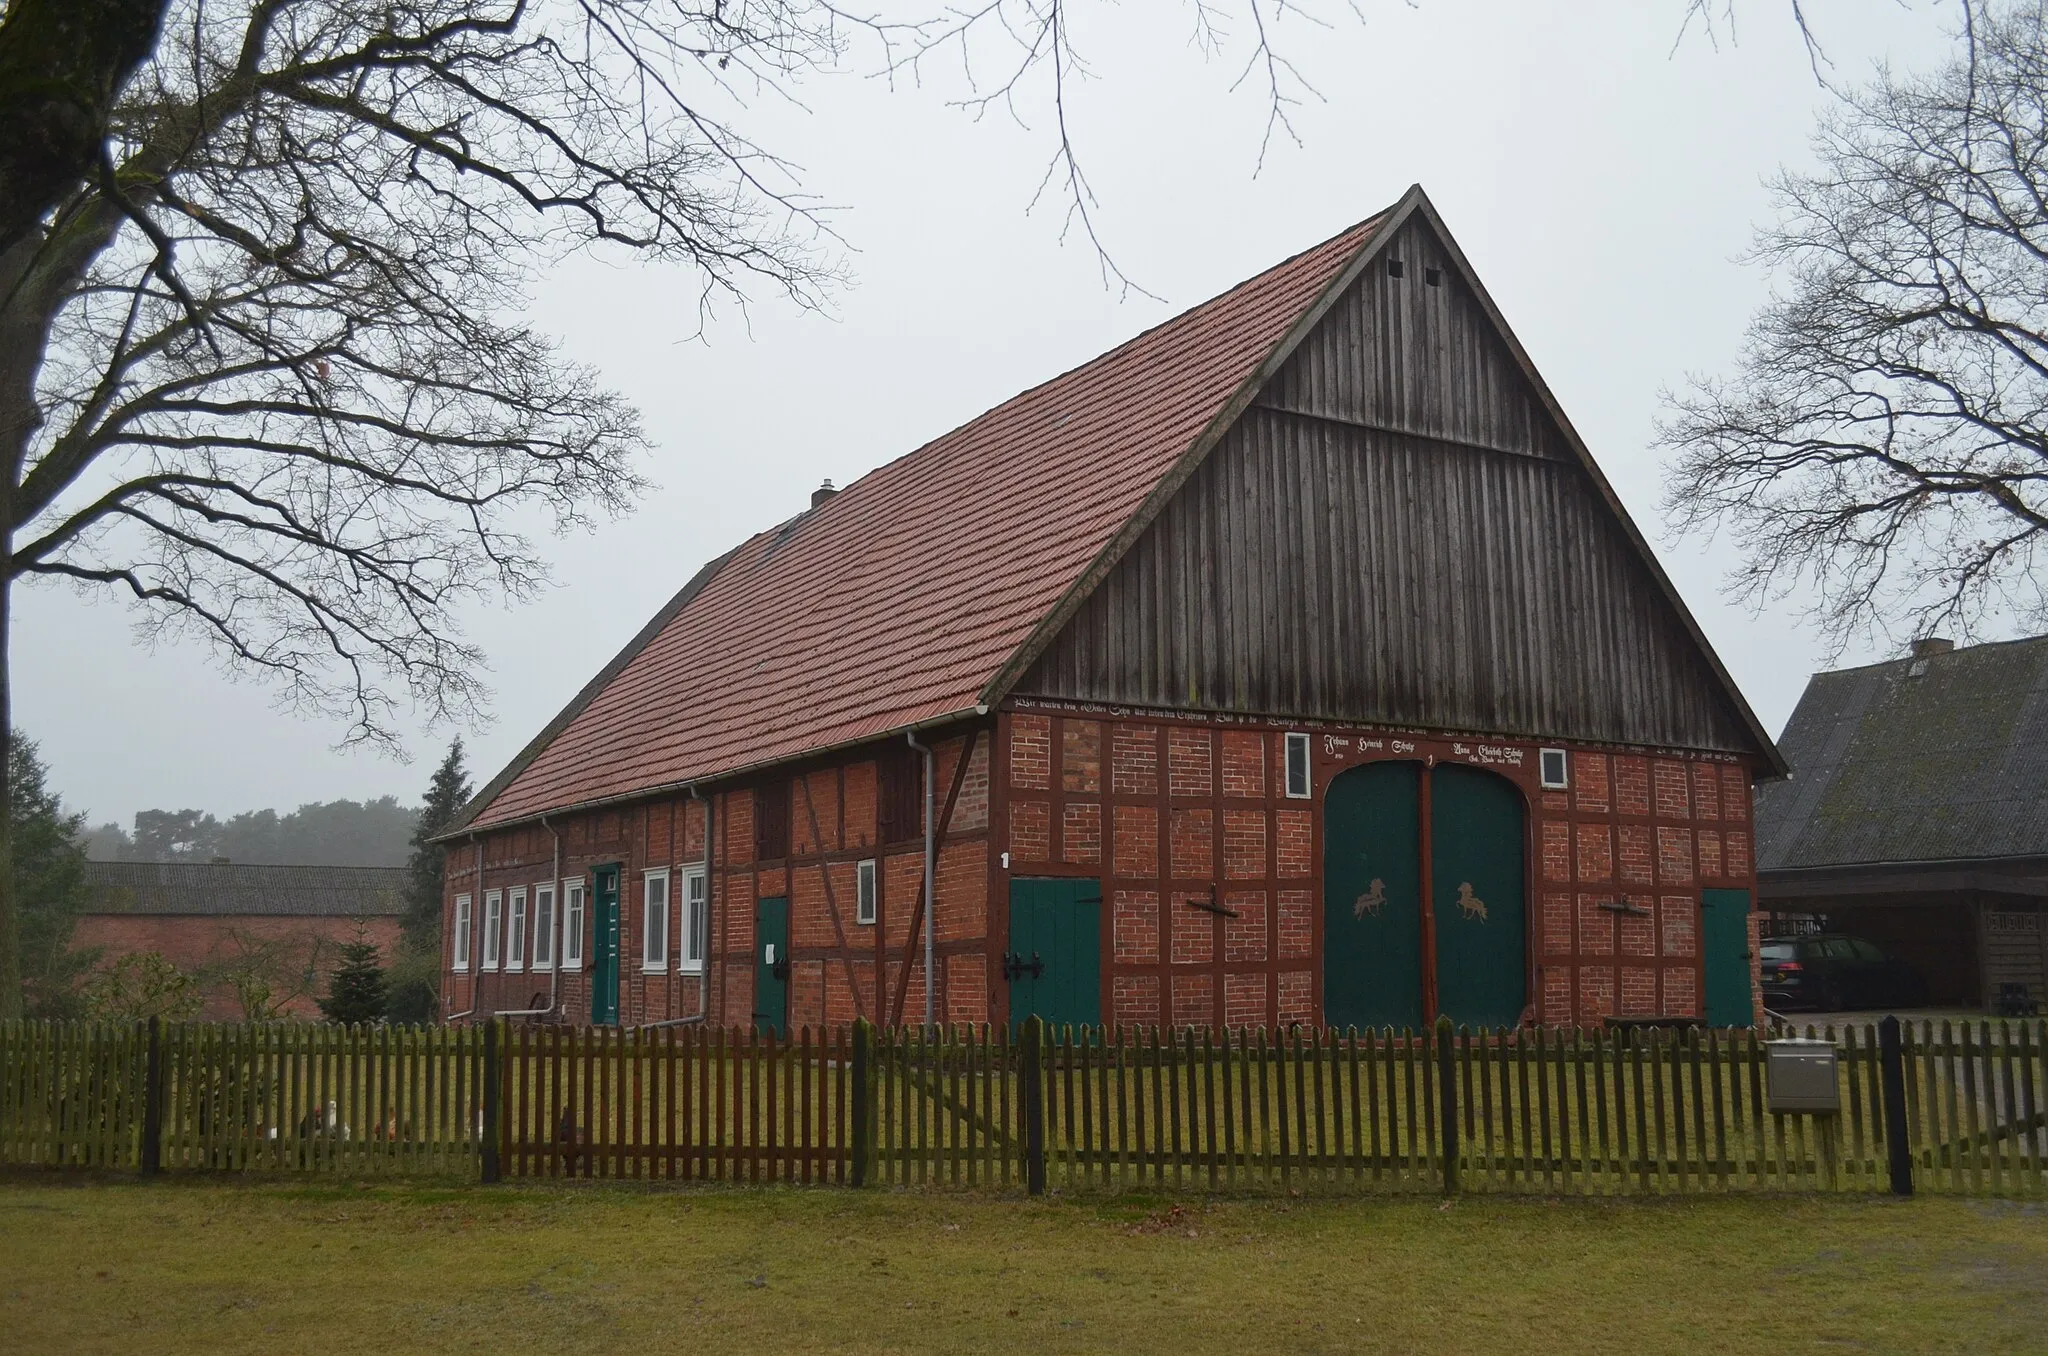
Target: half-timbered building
1291 663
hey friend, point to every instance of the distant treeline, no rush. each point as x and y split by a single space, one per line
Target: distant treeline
334 833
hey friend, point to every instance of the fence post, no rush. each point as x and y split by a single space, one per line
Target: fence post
863 1101
151 1150
1447 1102
492 1081
1891 1061
1032 1079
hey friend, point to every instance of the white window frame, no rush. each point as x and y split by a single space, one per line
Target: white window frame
654 919
575 908
695 900
463 921
515 929
1564 762
545 925
867 889
1296 740
494 918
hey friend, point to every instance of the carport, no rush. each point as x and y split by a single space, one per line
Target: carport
1916 816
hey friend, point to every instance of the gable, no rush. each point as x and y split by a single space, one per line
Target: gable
1398 531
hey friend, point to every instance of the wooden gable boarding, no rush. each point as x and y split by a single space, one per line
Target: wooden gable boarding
1401 529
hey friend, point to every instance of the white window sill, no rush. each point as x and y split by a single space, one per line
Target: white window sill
690 968
660 969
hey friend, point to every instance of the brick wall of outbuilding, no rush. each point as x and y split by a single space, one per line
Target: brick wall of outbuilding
198 943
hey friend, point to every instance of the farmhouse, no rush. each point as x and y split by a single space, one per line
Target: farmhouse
1917 815
1291 663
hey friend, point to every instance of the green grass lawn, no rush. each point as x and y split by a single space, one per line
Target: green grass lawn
195 1266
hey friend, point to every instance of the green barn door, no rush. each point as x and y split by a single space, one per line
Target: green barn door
771 965
604 946
1476 855
1054 961
1724 934
1372 897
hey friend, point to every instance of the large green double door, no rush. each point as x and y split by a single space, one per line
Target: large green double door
1383 959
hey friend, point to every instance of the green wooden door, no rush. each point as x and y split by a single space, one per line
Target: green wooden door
1372 897
771 965
604 946
1724 938
1476 855
1054 960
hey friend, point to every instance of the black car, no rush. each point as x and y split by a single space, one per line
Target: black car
1830 973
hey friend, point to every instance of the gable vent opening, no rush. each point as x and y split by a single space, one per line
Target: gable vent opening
1433 276
1394 268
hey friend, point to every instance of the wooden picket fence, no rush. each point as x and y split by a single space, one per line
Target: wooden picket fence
1574 1112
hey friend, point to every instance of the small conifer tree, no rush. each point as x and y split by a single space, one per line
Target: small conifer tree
355 992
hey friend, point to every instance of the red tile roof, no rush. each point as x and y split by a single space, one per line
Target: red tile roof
898 600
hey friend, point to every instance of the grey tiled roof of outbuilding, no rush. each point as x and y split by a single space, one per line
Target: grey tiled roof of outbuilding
1888 766
236 889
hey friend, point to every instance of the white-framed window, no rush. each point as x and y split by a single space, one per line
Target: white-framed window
865 891
1550 763
654 919
572 923
1297 787
690 955
494 917
463 920
544 924
515 929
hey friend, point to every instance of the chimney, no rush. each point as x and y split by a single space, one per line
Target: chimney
1932 645
822 493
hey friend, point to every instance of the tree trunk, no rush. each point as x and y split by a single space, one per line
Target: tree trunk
10 923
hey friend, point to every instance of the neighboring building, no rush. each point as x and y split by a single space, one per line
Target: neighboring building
220 921
1917 814
1292 662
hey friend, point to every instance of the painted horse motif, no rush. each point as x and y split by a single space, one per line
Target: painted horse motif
1372 901
1469 904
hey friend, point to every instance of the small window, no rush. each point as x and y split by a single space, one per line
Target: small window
695 920
1395 268
864 892
463 922
515 929
544 927
1297 766
771 822
572 924
899 794
654 920
494 917
1433 276
1552 767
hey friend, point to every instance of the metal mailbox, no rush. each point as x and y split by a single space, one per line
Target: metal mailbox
1801 1075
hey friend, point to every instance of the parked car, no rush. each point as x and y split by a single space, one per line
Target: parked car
1829 973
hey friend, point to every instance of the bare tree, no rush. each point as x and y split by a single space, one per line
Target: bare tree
1884 442
262 368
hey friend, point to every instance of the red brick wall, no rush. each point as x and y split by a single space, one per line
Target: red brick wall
196 944
1615 863
835 960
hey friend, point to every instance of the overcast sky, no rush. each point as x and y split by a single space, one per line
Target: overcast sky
1602 183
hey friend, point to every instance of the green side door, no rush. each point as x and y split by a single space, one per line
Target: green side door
1372 897
604 946
771 965
1476 843
1054 960
1724 937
